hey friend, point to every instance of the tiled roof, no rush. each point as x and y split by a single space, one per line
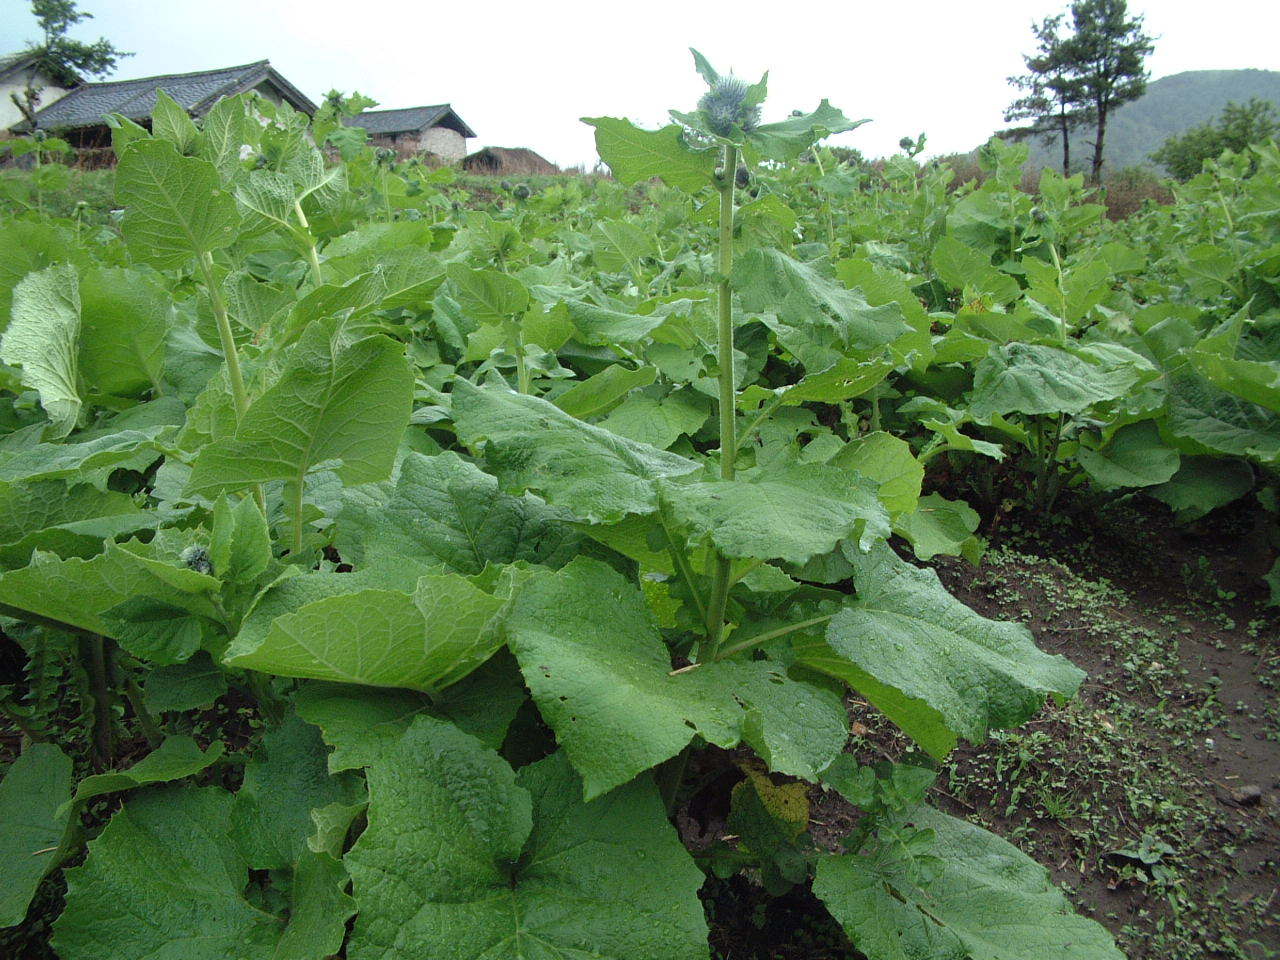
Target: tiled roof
409 120
197 92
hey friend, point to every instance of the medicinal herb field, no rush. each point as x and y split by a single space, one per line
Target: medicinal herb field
392 572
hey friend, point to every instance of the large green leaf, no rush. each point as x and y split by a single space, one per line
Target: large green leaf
887 460
601 676
1202 484
658 419
124 319
43 339
172 858
334 401
421 640
90 461
790 514
175 206
940 526
961 267
1134 457
814 317
981 898
32 825
932 665
463 860
444 509
487 296
176 758
597 394
533 444
1033 378
634 154
55 517
1205 419
361 722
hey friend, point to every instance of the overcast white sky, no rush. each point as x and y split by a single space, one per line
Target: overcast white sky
521 74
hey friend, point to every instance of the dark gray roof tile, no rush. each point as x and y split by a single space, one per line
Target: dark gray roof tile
196 92
409 120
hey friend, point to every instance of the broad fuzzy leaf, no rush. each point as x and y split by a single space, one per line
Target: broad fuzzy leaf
1032 378
1134 457
124 319
790 514
444 509
888 461
176 758
634 154
43 339
421 640
464 860
334 401
32 825
533 444
988 900
601 676
936 668
175 206
170 855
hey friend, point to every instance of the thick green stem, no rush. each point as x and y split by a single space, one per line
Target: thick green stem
1062 293
239 396
728 395
515 343
311 246
299 505
760 638
669 777
150 729
93 656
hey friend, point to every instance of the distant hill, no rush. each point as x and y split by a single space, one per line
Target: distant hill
1170 105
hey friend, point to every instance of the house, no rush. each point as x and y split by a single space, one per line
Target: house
433 129
509 161
78 114
20 72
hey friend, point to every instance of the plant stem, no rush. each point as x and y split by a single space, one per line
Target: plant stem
669 777
744 436
239 396
145 720
682 566
760 638
515 343
728 395
1062 294
94 657
311 246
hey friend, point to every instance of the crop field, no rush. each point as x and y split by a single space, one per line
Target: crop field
750 554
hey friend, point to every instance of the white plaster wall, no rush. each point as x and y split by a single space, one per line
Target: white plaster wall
17 83
444 143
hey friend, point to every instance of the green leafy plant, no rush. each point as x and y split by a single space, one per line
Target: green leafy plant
413 564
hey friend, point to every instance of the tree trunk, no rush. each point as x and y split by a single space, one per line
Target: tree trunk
1095 175
1066 140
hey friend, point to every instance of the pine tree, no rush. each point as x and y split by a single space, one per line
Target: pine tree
1052 94
1106 56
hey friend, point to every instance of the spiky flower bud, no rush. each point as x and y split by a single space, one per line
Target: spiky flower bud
522 191
725 107
505 185
906 143
196 558
742 177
